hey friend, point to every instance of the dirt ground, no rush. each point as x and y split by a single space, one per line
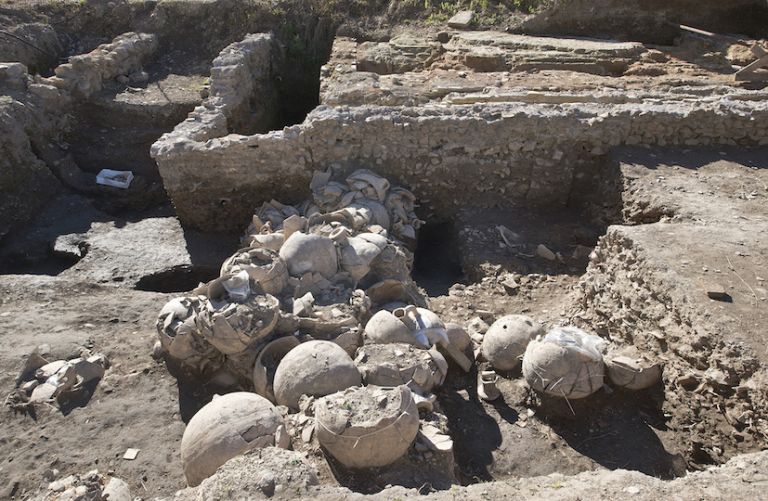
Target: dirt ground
140 405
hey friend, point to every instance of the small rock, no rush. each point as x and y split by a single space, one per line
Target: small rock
306 434
461 20
87 370
443 37
43 393
434 439
688 381
510 285
477 326
10 489
29 386
138 78
302 306
50 474
718 293
544 252
282 438
116 490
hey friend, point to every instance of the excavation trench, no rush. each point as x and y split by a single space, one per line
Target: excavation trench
531 236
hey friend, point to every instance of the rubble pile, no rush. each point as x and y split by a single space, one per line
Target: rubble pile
91 486
58 382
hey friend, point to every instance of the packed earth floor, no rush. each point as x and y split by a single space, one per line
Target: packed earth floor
619 187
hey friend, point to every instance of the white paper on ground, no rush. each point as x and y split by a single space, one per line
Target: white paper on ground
115 178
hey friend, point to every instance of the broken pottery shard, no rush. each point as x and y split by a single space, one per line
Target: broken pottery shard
451 352
50 369
307 433
461 20
262 265
424 403
44 392
458 337
510 285
178 331
293 224
510 238
88 370
311 253
357 253
270 241
627 368
302 306
396 364
314 368
506 340
237 285
370 184
367 426
349 340
29 386
567 363
433 438
226 427
233 327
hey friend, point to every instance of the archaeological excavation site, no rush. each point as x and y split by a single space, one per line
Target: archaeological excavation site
352 249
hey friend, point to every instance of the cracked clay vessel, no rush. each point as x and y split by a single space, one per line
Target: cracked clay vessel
228 426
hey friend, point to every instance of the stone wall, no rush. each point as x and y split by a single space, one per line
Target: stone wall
85 74
505 154
651 21
35 45
31 115
242 96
